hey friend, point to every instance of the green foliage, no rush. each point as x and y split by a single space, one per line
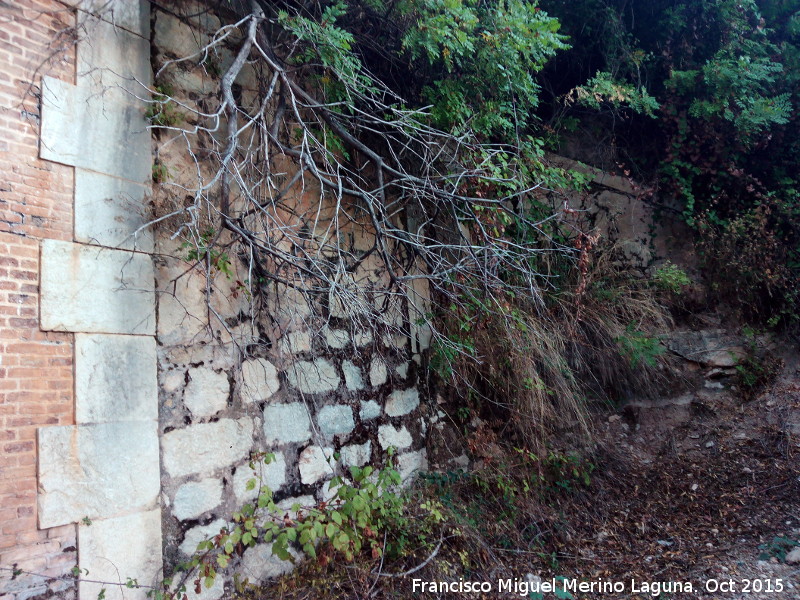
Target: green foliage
162 110
640 348
671 278
778 548
484 55
602 89
205 250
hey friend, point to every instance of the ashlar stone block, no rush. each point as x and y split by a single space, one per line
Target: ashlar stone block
96 290
110 212
96 132
118 548
99 471
206 447
115 378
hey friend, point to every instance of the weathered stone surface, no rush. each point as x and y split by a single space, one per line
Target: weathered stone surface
272 476
97 471
337 338
196 497
109 211
402 402
296 342
96 290
207 392
356 454
95 132
710 347
285 506
285 423
176 38
182 310
793 557
206 447
352 376
313 377
362 338
369 410
215 592
112 62
313 464
199 534
115 378
402 370
259 380
335 419
378 373
260 564
115 549
397 438
408 465
133 15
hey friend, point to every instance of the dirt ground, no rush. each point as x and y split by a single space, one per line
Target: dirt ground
702 488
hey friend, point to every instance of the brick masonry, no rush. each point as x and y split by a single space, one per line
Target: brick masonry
36 378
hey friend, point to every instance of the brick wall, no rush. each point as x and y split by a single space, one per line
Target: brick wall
36 377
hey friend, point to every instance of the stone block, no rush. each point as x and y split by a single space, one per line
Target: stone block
337 338
378 374
369 410
207 391
95 132
286 423
109 212
115 549
196 497
295 342
206 447
272 476
356 454
352 376
215 592
313 464
402 370
260 564
410 464
182 309
96 290
199 534
133 15
99 471
362 338
402 402
336 419
388 436
115 378
313 377
259 380
286 507
177 39
112 62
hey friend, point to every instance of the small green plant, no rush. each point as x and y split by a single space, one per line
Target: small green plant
640 348
778 548
160 172
671 278
86 521
204 250
162 111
